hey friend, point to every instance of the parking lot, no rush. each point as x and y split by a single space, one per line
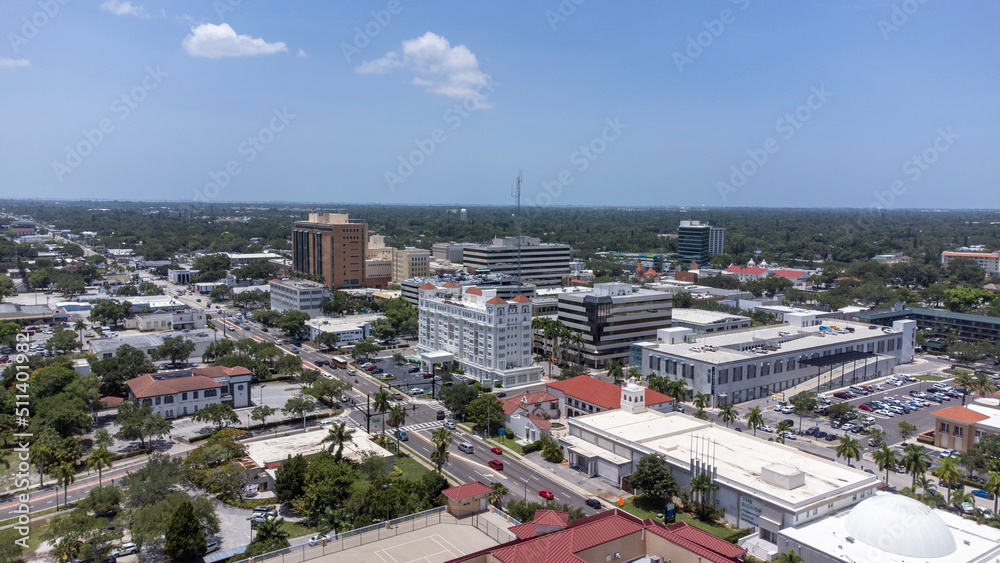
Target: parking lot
401 378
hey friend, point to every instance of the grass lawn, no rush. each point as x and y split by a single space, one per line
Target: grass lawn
297 529
508 444
412 470
714 529
928 377
957 371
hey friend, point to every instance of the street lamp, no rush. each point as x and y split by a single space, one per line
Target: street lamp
526 484
386 487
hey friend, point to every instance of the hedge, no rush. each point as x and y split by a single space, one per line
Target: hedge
532 447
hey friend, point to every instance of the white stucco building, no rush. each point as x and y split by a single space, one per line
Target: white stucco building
488 336
348 329
174 394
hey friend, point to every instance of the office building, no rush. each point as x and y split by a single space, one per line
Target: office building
237 260
733 367
762 485
699 242
965 326
348 329
449 251
543 264
378 263
410 263
611 317
486 335
297 295
331 245
708 322
173 394
177 320
182 277
988 261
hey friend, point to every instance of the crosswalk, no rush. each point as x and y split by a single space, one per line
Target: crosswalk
424 425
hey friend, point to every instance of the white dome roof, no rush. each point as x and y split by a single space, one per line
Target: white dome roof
900 525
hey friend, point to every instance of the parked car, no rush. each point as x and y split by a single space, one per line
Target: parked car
788 435
318 539
127 548
830 437
765 428
428 375
866 407
967 508
211 545
546 494
981 493
812 430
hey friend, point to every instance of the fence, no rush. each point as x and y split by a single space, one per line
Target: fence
490 527
357 537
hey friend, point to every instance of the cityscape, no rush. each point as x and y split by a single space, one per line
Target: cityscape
576 281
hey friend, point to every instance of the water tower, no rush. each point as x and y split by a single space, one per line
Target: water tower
462 214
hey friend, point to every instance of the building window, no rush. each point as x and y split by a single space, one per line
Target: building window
194 395
184 397
958 431
944 427
168 399
211 393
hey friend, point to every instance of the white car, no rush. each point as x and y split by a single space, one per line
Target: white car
318 539
765 428
788 435
877 387
127 548
896 382
885 413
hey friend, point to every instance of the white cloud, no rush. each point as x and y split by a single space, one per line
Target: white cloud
6 63
216 41
301 53
438 67
124 8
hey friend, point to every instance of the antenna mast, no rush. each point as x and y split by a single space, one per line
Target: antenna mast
517 223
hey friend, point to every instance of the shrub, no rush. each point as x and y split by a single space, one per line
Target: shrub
532 447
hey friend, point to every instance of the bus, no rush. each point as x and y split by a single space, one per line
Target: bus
339 361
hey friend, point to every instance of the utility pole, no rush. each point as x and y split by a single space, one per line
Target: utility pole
517 224
368 413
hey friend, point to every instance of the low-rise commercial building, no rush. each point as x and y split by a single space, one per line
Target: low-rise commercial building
349 329
297 295
505 286
739 366
959 427
762 485
178 320
107 347
988 261
708 322
182 277
963 325
174 394
237 260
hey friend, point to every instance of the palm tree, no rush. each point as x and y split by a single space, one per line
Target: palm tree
397 418
924 483
616 371
702 485
66 549
948 473
985 384
783 426
271 529
496 496
993 487
338 436
657 383
441 440
728 413
65 475
676 388
967 382
886 459
99 459
849 448
79 327
575 339
915 461
789 557
958 496
701 400
754 419
380 402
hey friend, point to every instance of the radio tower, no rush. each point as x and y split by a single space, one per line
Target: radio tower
517 223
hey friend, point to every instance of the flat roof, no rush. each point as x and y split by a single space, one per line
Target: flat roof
827 535
799 340
308 443
700 316
341 324
946 315
738 457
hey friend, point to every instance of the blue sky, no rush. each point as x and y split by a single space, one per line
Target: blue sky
718 103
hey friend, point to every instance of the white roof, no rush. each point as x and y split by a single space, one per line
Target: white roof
341 324
257 255
897 529
705 317
739 457
308 443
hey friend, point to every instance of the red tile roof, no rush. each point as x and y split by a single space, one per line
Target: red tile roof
540 422
562 546
793 274
145 386
220 371
467 490
428 285
970 254
739 270
521 299
960 414
497 301
451 285
601 393
474 291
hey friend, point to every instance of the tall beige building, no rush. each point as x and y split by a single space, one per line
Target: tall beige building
410 263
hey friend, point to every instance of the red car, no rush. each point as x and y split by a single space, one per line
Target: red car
496 464
866 407
496 450
372 367
546 494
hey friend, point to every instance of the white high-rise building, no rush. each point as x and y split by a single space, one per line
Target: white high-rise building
487 336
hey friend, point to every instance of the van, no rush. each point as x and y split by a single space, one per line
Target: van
466 447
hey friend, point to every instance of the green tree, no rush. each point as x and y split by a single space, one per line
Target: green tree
676 388
177 349
65 475
330 389
139 422
486 413
653 478
992 487
299 406
497 494
184 538
906 430
789 557
262 413
381 404
364 348
915 460
99 459
551 450
293 323
397 416
338 436
128 363
327 340
849 448
803 403
110 312
948 474
289 479
754 419
102 438
441 439
219 414
62 341
616 371
885 458
702 487
271 536
783 426
839 410
729 413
